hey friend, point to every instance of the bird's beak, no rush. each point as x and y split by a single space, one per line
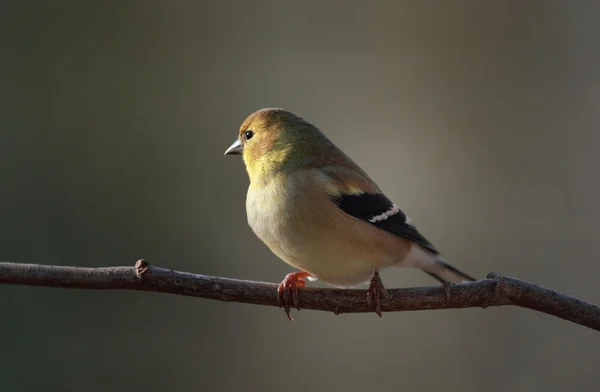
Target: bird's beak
235 149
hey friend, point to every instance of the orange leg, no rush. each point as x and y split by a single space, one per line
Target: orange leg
289 286
376 292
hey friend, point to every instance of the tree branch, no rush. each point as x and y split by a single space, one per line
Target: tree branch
496 290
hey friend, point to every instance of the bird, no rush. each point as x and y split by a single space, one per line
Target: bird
321 213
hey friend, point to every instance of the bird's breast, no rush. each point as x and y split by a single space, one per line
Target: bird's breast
270 216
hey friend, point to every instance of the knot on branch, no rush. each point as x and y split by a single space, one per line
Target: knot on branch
141 266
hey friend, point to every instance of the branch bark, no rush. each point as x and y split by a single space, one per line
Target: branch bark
496 290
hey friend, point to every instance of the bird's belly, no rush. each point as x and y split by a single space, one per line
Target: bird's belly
323 241
346 267
322 252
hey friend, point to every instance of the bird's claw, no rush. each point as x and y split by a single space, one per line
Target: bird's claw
446 286
375 293
289 286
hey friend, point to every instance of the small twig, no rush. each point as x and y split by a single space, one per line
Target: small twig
496 290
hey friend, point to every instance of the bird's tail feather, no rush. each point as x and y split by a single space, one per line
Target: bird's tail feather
445 272
435 266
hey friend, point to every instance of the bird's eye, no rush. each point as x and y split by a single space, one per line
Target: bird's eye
248 135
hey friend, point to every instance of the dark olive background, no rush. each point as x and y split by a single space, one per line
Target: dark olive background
479 118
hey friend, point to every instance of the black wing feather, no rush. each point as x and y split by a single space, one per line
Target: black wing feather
366 206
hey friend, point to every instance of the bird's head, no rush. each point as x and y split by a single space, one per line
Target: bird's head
272 140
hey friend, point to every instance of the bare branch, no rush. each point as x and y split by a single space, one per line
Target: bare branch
496 290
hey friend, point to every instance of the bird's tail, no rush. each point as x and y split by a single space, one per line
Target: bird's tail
445 272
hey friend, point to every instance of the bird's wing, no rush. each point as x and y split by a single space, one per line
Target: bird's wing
357 195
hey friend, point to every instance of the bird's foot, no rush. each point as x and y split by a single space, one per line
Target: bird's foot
376 292
446 286
289 287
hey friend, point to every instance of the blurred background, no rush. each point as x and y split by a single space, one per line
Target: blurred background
478 118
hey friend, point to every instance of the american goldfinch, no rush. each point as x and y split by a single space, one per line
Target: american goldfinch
321 213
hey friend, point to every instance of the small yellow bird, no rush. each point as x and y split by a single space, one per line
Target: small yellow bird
321 213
